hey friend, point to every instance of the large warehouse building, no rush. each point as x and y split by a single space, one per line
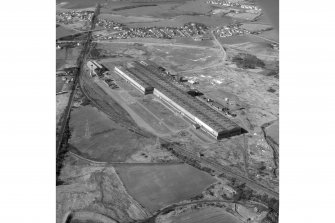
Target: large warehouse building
140 85
145 73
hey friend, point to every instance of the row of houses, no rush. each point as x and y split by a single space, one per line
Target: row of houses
196 30
230 30
70 17
226 3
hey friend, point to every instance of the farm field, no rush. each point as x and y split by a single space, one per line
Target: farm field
158 186
271 35
180 59
240 39
273 132
78 4
96 137
208 215
59 84
66 57
62 32
92 191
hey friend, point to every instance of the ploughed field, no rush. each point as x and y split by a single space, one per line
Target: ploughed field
208 215
158 186
95 136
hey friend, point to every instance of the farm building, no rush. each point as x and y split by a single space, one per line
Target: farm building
144 74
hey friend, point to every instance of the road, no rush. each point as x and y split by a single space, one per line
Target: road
125 163
224 54
155 44
80 61
174 206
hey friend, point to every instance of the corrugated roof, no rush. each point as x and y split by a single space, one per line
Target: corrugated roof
212 118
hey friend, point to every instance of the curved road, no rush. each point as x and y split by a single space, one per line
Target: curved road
173 206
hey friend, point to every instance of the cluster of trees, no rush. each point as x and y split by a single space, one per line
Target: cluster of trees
186 159
247 61
244 193
275 71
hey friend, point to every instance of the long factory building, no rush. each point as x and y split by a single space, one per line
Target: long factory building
146 77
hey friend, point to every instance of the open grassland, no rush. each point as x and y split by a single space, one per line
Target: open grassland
262 50
67 57
97 137
158 186
94 189
59 84
61 31
208 215
254 27
243 16
180 59
273 132
271 35
241 39
79 4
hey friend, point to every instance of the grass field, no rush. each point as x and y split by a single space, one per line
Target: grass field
273 132
96 137
66 57
180 59
271 35
62 32
158 186
208 215
59 84
79 4
240 39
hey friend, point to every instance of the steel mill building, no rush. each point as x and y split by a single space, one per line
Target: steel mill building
148 78
96 68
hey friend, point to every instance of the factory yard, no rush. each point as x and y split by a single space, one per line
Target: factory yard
157 186
190 134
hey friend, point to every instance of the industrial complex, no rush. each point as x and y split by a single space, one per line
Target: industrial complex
148 78
96 68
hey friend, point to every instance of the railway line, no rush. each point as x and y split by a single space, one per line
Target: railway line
87 91
80 60
212 164
124 163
